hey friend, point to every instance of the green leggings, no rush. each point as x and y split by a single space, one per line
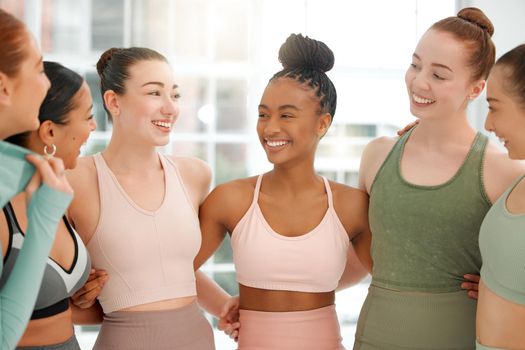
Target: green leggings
392 320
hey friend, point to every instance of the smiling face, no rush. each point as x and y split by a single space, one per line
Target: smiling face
438 80
290 124
149 106
506 116
69 137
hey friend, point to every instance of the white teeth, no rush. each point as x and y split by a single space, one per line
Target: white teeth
163 124
276 143
419 99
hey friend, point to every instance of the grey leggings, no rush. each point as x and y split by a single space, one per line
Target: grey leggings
70 344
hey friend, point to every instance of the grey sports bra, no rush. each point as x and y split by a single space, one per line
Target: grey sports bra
58 284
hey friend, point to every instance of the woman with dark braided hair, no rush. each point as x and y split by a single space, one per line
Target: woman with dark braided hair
291 229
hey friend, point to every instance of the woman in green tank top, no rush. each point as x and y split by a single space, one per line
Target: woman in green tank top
429 191
501 306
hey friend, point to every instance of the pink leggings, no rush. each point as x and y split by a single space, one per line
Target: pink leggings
306 330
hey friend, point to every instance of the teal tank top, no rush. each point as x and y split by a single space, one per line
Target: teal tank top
502 245
425 238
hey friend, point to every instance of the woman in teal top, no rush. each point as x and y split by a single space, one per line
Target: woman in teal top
23 86
429 191
501 305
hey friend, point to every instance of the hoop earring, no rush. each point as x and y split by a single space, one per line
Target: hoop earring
53 151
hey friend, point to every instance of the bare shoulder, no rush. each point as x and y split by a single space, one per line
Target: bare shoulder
372 158
228 202
236 192
499 171
351 206
84 173
194 166
196 175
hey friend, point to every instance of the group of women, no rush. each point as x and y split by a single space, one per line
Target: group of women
126 251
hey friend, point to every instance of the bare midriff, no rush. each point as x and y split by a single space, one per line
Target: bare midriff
170 304
51 330
256 299
499 322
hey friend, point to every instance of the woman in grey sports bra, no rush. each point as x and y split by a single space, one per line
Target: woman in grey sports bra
65 124
501 304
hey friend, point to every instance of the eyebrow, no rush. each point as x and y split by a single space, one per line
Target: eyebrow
90 108
439 65
280 107
492 99
175 86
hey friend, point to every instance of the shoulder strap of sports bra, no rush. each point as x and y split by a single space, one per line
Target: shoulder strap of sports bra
328 192
257 189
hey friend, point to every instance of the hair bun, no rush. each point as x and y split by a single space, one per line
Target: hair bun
104 59
301 52
477 17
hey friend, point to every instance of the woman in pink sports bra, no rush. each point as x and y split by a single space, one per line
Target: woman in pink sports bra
292 231
136 211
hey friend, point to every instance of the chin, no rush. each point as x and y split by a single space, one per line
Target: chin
515 156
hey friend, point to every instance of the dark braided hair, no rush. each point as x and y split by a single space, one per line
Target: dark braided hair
306 60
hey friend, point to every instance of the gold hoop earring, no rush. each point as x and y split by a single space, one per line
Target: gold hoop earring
53 151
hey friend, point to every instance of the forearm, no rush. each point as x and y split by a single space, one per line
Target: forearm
18 295
210 295
90 316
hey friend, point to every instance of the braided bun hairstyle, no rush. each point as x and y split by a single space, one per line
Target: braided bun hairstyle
307 61
113 67
474 28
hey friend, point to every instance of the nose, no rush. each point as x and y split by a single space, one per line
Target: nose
92 124
273 125
170 108
420 82
488 123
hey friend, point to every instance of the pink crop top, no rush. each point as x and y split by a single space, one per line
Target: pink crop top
148 254
312 262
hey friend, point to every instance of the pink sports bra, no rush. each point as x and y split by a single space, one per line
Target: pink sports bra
312 262
148 254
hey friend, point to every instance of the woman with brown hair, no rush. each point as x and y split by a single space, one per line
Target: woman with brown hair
23 86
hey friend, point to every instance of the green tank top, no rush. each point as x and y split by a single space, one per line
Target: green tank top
425 238
502 243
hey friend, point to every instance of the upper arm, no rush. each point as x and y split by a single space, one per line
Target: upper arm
372 158
499 171
221 211
351 206
212 225
84 210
